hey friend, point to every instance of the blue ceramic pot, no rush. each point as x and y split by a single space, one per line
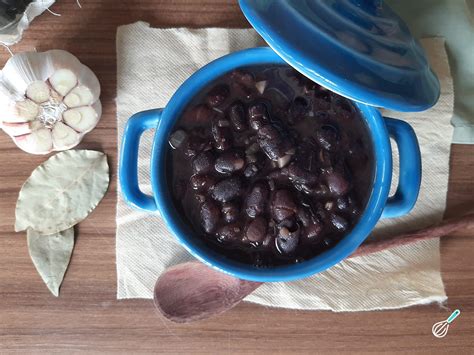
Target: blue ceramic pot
380 205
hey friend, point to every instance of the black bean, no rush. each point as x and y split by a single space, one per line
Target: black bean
195 144
287 241
289 223
269 140
337 184
217 95
237 116
200 197
278 99
345 105
243 77
222 136
199 115
283 205
256 200
313 230
252 148
309 87
227 190
269 240
279 176
342 203
229 162
325 159
327 137
257 230
258 115
271 185
301 176
229 232
230 211
251 170
210 215
340 223
298 109
203 162
202 182
305 216
268 132
177 138
322 99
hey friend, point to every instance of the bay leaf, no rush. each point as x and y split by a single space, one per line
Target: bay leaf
62 191
51 255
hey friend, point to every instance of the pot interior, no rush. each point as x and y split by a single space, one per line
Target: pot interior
231 260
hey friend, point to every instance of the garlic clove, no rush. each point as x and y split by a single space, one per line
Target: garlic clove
16 129
22 111
63 81
38 91
82 119
64 137
37 142
27 109
79 96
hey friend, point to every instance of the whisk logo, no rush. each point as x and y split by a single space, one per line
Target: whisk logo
440 329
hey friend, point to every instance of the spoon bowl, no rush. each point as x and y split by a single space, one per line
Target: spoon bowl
192 291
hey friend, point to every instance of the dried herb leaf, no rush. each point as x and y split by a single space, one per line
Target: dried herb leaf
51 255
62 191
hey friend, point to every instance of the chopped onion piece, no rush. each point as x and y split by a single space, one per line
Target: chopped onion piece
284 160
261 85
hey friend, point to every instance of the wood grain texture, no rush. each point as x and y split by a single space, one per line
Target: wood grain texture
86 317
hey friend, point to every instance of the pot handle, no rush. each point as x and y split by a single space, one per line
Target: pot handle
128 164
410 169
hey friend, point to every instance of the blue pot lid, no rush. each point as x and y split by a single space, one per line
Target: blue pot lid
359 49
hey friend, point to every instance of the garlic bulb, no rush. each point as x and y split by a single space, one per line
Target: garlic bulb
48 101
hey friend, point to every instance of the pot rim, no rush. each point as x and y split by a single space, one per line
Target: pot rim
183 233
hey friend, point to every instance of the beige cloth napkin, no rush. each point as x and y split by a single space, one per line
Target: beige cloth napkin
152 63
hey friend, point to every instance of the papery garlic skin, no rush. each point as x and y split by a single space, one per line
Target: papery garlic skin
51 107
16 129
37 142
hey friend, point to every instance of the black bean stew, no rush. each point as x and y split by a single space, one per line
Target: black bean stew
268 167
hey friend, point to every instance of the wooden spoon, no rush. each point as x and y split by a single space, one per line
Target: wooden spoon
192 291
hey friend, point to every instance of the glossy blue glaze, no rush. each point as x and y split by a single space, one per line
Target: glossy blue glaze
359 49
164 122
128 171
410 169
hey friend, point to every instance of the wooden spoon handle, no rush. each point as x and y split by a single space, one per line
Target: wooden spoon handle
444 228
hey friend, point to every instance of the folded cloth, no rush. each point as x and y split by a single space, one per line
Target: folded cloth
152 63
